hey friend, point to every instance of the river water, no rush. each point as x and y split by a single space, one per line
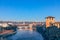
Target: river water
25 35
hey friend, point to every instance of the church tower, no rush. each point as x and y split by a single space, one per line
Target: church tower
50 21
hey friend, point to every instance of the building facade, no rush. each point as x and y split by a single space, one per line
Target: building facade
51 21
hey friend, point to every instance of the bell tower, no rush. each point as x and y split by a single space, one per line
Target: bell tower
50 21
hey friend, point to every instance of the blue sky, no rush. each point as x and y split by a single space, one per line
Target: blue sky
29 10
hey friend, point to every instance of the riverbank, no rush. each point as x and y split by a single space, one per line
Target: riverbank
6 33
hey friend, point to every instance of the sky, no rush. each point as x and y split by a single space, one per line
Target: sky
29 10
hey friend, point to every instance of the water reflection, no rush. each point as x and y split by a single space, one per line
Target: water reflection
25 35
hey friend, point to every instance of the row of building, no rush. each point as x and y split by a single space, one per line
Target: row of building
49 21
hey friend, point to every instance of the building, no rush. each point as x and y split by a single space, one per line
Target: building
51 21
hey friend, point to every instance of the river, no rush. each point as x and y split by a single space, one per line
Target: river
25 35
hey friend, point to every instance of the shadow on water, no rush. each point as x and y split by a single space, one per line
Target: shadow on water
24 35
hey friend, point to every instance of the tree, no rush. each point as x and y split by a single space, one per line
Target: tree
52 33
1 29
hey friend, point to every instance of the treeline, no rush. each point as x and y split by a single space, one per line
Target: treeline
10 27
50 33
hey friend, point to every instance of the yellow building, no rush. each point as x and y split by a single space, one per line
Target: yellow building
57 24
51 21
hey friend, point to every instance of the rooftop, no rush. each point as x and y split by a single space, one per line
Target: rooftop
50 17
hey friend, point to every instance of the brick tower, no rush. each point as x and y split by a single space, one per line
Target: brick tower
49 21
